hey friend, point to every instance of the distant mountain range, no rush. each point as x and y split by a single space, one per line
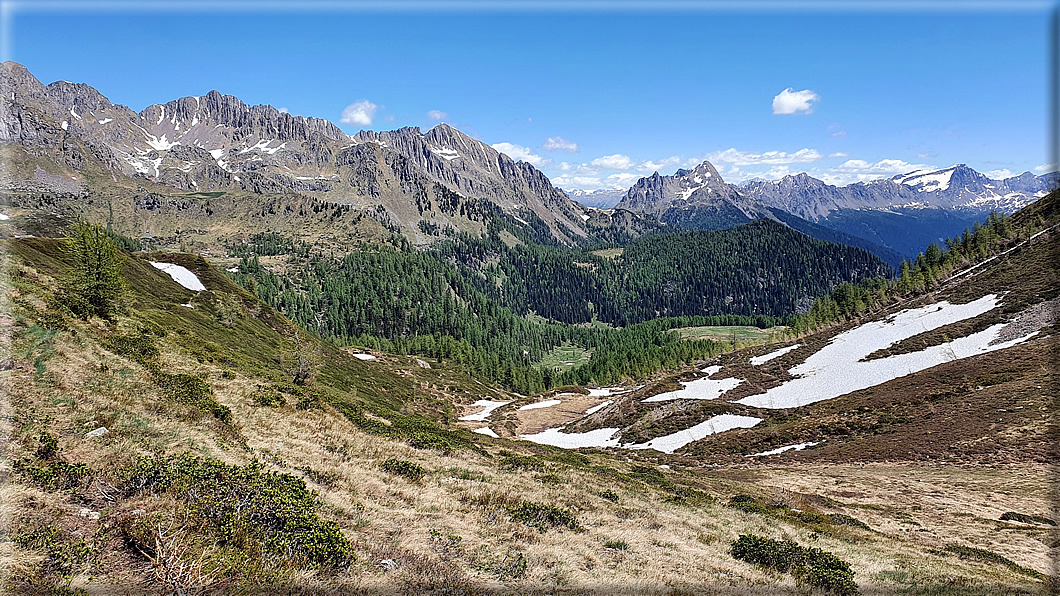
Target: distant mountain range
68 139
902 214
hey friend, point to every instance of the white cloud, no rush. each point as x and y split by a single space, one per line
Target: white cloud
999 174
520 153
283 110
437 115
560 144
1045 167
622 180
359 114
792 102
570 182
613 162
747 158
650 166
859 170
839 154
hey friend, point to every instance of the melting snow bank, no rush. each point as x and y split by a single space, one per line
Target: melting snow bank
488 406
711 426
838 369
760 360
601 437
705 388
607 437
4 217
485 430
541 404
599 407
181 275
798 447
363 356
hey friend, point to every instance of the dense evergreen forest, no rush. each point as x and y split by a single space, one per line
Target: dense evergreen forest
499 310
932 266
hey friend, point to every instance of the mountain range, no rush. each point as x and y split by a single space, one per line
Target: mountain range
68 139
902 214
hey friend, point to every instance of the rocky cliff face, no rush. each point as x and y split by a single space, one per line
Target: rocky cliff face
694 199
957 188
216 142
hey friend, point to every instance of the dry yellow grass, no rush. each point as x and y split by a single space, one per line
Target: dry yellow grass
670 547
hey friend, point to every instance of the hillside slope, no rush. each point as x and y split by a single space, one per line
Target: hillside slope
216 472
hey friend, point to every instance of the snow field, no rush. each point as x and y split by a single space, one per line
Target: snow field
181 275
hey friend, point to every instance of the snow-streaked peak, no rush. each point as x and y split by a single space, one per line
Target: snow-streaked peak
927 180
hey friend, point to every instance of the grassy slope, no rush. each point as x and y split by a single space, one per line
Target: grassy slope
658 531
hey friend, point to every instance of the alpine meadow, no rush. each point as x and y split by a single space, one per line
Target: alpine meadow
610 323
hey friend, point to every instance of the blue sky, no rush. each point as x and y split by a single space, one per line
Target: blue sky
599 95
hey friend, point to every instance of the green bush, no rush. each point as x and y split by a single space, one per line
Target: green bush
138 348
400 467
841 519
63 552
268 396
749 504
515 463
812 565
610 495
465 474
542 516
193 391
616 544
1027 519
49 470
242 505
970 552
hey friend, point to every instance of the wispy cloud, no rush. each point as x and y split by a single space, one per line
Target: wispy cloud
560 144
793 102
359 114
520 153
999 174
1045 167
650 166
859 170
613 162
437 115
747 158
837 130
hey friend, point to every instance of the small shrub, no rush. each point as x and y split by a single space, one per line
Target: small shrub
841 519
616 544
609 495
513 463
138 348
400 467
1027 519
49 446
748 504
63 552
268 397
465 474
970 552
49 470
550 479
244 507
812 565
193 391
542 516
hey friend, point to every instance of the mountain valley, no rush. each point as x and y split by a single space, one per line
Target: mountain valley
244 352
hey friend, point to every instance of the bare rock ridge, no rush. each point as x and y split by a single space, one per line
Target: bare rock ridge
215 142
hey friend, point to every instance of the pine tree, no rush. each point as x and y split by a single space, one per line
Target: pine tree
95 286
